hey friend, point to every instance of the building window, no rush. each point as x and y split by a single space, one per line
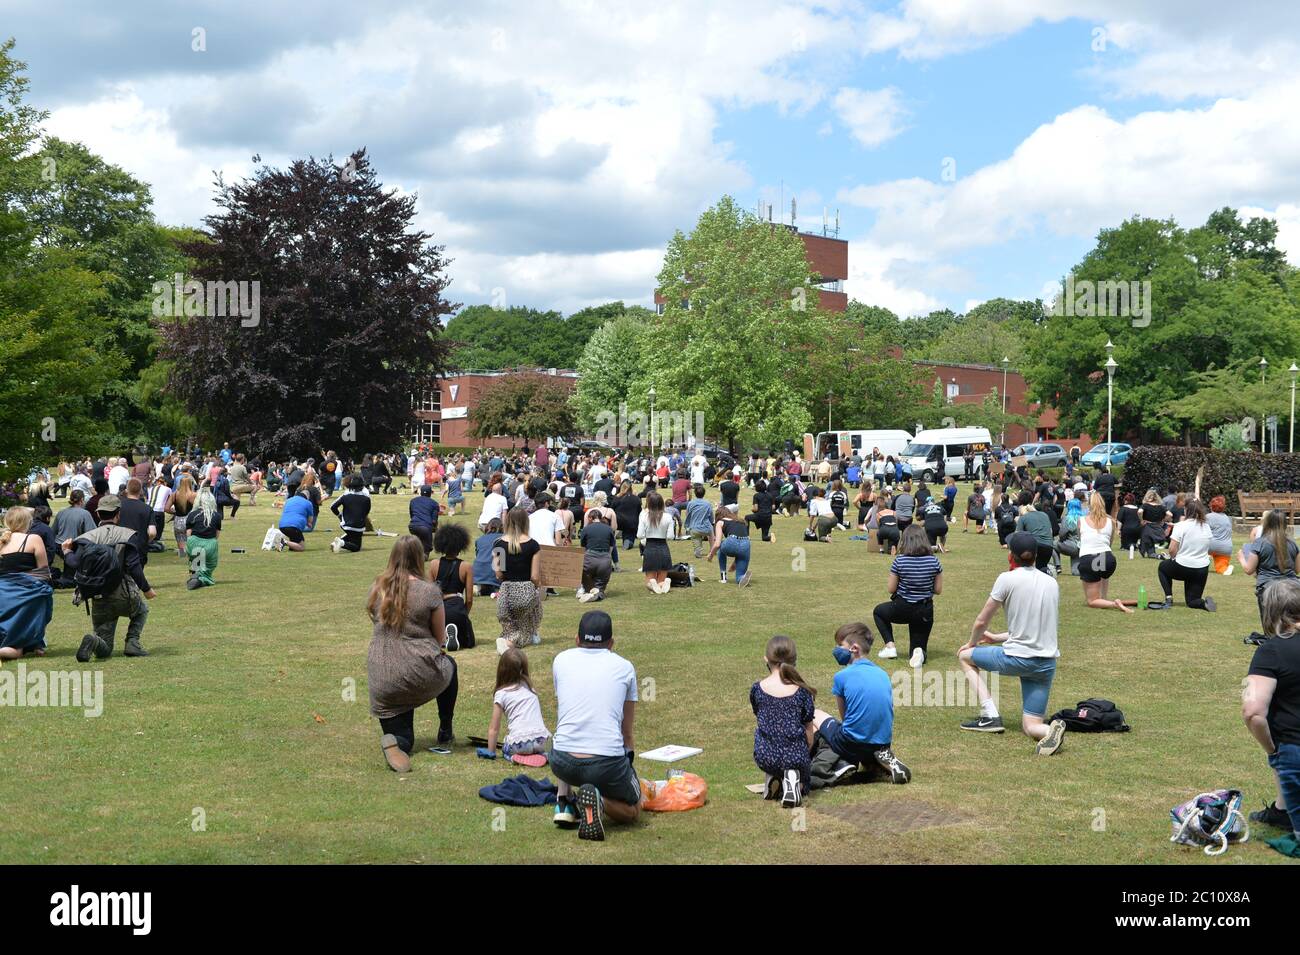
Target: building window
953 390
426 431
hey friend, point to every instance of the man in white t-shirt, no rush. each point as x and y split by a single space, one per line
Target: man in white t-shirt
592 750
495 505
698 464
542 522
1028 648
118 476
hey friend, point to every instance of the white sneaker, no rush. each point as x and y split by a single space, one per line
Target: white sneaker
918 658
666 586
581 591
589 595
1228 572
537 639
888 653
336 544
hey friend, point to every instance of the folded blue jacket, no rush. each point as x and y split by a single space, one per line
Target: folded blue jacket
521 791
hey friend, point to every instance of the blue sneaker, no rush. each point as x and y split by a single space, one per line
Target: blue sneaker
564 816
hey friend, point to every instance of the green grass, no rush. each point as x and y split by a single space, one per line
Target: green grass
240 712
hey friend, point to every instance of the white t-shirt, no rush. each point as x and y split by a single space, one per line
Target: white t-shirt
117 479
494 505
1093 541
597 472
1194 539
878 466
698 464
591 687
542 525
523 714
1032 601
820 507
467 472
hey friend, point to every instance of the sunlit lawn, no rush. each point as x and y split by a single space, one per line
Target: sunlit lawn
238 741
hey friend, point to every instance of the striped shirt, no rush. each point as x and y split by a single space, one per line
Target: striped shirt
916 576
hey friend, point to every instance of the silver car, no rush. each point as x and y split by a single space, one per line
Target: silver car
1042 455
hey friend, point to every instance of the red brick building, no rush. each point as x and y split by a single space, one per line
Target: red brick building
445 414
971 384
828 257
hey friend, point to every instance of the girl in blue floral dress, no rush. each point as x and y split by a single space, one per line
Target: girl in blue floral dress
783 704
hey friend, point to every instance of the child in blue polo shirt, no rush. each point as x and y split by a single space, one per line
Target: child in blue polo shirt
864 731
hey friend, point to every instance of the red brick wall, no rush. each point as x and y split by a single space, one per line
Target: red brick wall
828 257
456 431
976 382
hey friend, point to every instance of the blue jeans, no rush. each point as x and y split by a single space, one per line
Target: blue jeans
738 549
1036 675
1286 763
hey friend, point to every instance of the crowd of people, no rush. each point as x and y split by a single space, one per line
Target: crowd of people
608 503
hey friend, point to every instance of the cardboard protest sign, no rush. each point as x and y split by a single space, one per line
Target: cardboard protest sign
561 567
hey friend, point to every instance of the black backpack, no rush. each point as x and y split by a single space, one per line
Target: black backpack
1093 716
99 571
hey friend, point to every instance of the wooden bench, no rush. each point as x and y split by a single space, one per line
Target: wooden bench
1253 505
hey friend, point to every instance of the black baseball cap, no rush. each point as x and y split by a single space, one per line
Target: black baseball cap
1022 543
595 628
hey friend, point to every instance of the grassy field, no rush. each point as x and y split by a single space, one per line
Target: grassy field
237 741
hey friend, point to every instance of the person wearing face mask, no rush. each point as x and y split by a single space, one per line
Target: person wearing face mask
863 733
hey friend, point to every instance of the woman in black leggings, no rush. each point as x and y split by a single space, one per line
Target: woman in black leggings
887 532
1189 560
915 577
762 514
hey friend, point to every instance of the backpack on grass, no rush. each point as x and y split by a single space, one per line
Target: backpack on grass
682 575
1212 820
99 572
1093 716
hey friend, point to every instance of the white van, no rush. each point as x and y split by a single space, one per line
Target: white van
940 452
840 445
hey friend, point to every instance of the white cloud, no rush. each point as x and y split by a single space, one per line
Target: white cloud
872 116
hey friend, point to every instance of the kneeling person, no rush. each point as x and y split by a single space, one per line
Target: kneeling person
865 728
596 693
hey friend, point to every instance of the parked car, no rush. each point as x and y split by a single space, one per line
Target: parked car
1118 453
1042 455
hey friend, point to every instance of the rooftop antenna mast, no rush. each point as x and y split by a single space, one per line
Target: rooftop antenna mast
793 212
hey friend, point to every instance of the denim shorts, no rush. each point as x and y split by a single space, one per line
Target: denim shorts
612 775
1036 675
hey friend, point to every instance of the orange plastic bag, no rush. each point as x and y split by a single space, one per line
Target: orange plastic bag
677 794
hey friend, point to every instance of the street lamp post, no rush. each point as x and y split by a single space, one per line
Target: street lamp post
829 395
1003 439
1294 373
1263 425
652 425
1111 365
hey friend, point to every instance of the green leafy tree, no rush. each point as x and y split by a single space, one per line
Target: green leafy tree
611 370
532 406
56 349
739 324
1211 304
489 338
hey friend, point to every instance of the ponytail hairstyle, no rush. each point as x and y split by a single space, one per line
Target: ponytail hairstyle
18 520
1275 530
1195 511
1097 515
515 529
782 655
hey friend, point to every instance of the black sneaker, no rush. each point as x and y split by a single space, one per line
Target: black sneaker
445 735
1210 605
1050 744
590 825
984 724
193 583
1270 815
133 649
453 637
88 646
773 790
898 773
842 771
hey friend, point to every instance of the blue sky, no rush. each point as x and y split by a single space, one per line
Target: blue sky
555 146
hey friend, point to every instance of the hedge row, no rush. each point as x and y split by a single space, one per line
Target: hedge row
1226 472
